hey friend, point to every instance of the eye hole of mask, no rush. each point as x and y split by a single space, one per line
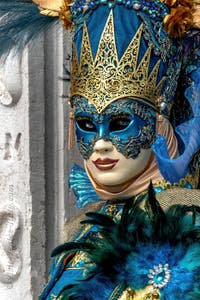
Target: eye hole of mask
119 123
86 124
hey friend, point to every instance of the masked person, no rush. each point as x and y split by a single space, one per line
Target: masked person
137 121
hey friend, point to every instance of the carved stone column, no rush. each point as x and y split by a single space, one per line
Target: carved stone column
22 194
60 206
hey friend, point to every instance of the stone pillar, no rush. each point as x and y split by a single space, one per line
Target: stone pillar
60 205
22 181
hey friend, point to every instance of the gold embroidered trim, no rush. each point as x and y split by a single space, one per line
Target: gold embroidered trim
59 259
55 297
189 179
148 293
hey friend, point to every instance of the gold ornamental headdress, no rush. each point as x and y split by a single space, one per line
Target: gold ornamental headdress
127 54
106 78
102 77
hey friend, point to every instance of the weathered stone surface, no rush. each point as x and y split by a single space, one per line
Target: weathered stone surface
10 81
22 195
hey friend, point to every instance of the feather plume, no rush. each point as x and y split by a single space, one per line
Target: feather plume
128 254
175 3
100 220
196 14
178 21
21 22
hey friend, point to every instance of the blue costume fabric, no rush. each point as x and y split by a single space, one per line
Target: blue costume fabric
174 170
175 268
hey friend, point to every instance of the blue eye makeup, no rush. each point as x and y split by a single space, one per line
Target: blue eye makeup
128 124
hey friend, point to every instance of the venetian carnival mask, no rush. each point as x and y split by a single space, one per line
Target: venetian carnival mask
116 143
127 124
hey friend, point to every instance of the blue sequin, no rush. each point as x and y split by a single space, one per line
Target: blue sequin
158 189
188 186
154 8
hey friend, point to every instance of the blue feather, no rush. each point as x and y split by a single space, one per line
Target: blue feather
21 22
78 181
168 258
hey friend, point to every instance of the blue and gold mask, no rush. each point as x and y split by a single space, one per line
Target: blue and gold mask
128 124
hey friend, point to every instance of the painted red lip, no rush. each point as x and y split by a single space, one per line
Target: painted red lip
104 164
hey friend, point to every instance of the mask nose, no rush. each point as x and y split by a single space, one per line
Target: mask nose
102 146
103 130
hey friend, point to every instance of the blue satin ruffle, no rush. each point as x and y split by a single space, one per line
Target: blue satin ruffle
81 186
175 169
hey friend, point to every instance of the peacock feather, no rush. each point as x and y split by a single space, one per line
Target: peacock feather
148 246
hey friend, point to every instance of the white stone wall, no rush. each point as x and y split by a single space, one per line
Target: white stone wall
22 194
34 163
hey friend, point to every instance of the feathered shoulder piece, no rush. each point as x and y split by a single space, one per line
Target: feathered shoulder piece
148 254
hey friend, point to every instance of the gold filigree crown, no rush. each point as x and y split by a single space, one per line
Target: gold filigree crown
106 78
